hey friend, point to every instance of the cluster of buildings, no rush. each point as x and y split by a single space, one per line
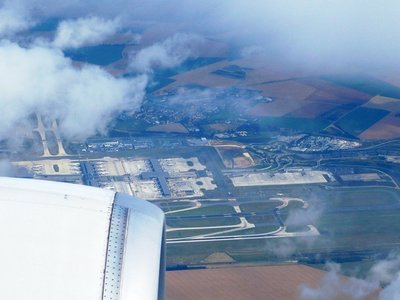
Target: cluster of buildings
147 178
322 143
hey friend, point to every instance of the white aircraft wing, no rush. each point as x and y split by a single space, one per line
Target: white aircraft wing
64 241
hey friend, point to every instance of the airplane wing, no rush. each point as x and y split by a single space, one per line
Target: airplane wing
65 241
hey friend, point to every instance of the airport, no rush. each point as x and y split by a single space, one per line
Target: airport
240 139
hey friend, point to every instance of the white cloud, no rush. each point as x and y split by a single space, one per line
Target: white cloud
192 96
12 20
304 217
41 79
384 271
84 31
320 33
299 217
392 291
334 286
166 54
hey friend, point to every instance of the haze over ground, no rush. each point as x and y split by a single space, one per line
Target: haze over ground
35 74
337 35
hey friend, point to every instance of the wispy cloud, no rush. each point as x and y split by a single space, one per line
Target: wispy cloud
319 33
84 32
299 217
334 34
334 286
166 54
304 217
13 18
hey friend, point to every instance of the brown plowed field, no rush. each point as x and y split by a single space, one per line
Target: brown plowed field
379 102
389 76
387 128
313 109
242 283
335 93
288 96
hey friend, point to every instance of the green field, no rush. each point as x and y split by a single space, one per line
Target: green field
260 206
203 222
360 119
188 233
362 197
297 228
352 221
296 124
162 77
34 146
262 220
255 230
188 65
206 210
222 115
292 205
129 125
51 142
360 218
171 206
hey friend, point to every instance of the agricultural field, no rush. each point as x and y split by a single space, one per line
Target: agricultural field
203 76
164 77
313 110
294 100
296 124
333 92
389 75
287 96
361 119
385 103
386 128
366 84
126 125
389 126
220 127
